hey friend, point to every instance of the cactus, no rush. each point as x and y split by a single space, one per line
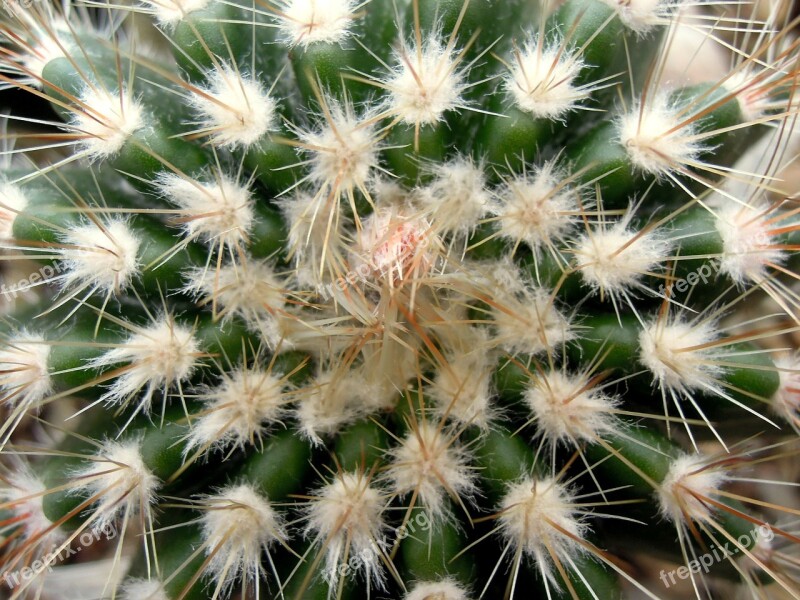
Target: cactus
414 299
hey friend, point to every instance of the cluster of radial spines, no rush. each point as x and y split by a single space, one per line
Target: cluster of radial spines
218 212
570 408
541 80
430 464
345 518
158 357
239 410
233 109
123 484
538 208
239 526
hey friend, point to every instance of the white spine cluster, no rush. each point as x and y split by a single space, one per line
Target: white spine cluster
659 139
157 357
239 410
329 402
220 212
614 259
143 589
306 22
124 484
786 400
542 80
344 151
748 246
641 16
679 355
688 482
106 120
430 464
23 497
234 108
537 209
252 291
24 372
168 13
447 589
529 322
238 525
425 83
538 517
103 257
457 198
568 410
346 518
12 201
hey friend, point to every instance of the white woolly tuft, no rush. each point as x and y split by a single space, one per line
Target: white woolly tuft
346 519
542 81
238 524
220 212
107 120
529 323
169 13
158 357
23 497
425 83
143 589
344 151
101 257
329 402
688 481
567 410
614 259
251 291
24 371
239 410
462 387
234 109
657 137
447 589
306 22
678 356
786 400
640 15
40 36
12 202
747 244
123 483
430 464
457 198
535 517
536 209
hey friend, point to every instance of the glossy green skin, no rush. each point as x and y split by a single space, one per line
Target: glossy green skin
431 551
280 468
